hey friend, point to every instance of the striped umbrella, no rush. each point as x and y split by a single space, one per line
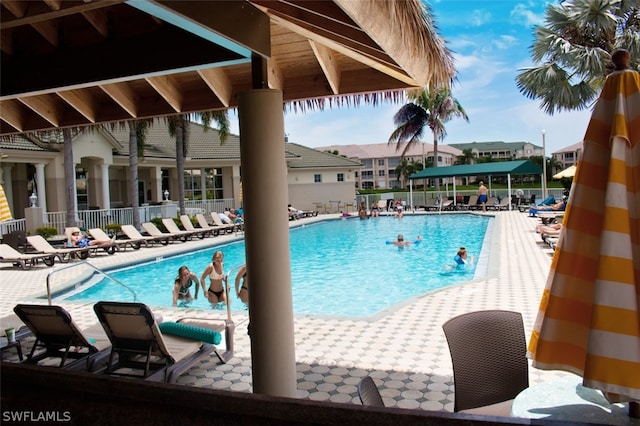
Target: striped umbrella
5 211
589 318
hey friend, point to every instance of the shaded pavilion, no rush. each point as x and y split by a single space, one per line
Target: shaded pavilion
499 168
68 64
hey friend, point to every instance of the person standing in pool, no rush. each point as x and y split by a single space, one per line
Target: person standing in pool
242 291
217 280
401 242
182 285
461 258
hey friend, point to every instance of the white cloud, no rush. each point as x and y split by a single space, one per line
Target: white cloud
505 42
522 12
479 17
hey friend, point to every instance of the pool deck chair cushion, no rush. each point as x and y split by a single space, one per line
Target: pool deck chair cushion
139 349
173 228
227 227
59 341
63 254
153 230
202 221
490 368
23 261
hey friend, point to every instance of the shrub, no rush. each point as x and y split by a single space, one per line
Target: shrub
47 232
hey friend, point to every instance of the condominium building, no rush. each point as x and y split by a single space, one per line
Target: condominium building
498 150
568 156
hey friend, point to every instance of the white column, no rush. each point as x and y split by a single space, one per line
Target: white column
267 242
41 184
106 198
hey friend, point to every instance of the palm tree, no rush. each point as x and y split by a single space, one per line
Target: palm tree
406 169
573 51
429 108
137 134
69 177
467 157
178 128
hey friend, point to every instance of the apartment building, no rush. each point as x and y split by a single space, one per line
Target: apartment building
498 150
379 161
569 156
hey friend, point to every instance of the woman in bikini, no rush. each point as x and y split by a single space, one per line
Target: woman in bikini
242 291
215 272
182 284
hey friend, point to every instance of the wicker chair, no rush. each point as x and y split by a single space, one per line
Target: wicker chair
368 392
488 351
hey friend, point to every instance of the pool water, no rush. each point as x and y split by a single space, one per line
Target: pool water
339 267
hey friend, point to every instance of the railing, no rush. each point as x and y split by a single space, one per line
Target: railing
12 225
80 274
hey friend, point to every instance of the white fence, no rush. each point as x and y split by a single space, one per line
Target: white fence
123 216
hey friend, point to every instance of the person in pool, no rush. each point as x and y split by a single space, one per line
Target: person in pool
461 258
401 242
182 285
242 291
215 271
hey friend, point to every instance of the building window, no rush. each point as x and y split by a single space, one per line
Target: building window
381 162
357 173
367 185
367 164
317 178
340 177
82 189
367 174
203 181
393 162
380 172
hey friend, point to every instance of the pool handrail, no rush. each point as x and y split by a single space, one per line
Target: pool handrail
85 263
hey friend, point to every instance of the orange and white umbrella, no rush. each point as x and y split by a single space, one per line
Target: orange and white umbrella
5 211
589 318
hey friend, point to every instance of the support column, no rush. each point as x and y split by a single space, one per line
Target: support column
41 184
106 197
267 242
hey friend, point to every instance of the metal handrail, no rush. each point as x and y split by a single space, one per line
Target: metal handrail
85 263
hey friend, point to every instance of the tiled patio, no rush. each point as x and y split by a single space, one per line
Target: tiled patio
403 348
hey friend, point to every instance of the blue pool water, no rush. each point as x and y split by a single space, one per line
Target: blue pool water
339 267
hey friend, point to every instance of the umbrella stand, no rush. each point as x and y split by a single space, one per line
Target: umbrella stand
634 409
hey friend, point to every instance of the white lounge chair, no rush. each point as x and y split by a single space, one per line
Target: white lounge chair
153 230
188 226
202 221
173 228
99 234
227 227
24 261
109 248
131 232
63 254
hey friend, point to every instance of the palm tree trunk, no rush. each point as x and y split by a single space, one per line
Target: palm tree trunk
180 134
435 160
69 178
133 173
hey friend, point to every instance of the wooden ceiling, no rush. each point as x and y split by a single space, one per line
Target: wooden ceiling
77 63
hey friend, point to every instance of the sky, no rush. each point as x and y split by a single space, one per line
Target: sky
490 42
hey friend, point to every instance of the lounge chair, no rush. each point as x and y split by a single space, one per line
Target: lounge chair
188 226
24 261
502 205
433 204
63 254
202 221
99 234
59 338
131 232
153 230
173 228
471 203
110 248
140 349
227 227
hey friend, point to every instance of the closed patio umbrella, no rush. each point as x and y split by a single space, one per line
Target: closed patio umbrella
566 173
589 318
5 211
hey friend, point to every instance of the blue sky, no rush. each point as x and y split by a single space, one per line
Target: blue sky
490 42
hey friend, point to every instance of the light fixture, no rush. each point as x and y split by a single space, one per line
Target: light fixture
33 198
544 167
166 195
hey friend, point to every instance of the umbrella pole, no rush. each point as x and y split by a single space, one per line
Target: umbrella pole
634 409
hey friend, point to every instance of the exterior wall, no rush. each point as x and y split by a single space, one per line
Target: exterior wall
305 194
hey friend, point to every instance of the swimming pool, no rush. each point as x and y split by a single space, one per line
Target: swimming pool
339 267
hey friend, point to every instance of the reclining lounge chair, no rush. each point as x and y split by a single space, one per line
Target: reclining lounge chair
202 221
173 228
140 349
63 254
131 232
99 234
153 230
24 261
58 337
188 226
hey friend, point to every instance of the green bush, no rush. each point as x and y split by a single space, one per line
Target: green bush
47 232
113 228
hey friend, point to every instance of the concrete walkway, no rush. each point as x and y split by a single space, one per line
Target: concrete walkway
404 348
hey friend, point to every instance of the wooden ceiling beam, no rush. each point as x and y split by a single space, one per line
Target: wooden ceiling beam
13 113
329 66
46 107
274 75
169 91
82 102
48 30
68 8
219 83
124 96
99 20
17 8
